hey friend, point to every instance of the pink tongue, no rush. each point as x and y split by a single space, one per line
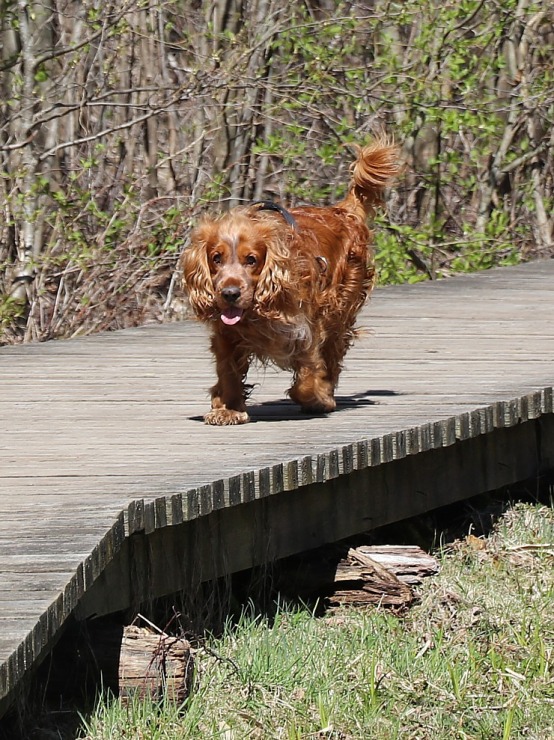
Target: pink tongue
231 315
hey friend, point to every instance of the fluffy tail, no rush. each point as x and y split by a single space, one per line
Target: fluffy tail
375 167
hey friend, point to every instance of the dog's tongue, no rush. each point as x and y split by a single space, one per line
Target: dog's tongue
231 315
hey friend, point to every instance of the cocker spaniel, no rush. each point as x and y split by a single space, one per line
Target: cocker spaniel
285 286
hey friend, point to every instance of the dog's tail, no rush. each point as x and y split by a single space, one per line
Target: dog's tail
375 167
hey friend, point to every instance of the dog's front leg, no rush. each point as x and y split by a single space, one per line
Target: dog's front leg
228 394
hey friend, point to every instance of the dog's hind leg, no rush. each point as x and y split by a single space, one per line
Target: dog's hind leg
333 352
312 389
316 378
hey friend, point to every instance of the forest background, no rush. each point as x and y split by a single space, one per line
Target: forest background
122 121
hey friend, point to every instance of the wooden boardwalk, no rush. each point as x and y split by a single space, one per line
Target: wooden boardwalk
113 490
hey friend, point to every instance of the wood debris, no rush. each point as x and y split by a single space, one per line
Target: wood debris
367 575
153 665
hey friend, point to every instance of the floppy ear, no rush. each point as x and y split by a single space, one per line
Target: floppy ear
273 289
196 273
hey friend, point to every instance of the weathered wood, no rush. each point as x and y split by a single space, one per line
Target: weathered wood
154 665
102 441
368 582
409 563
361 576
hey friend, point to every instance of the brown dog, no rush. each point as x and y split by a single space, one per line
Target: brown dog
286 287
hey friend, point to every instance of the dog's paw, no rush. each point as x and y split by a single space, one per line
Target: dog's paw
312 403
225 417
319 406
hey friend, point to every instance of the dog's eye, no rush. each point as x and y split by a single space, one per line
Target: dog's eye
251 260
216 259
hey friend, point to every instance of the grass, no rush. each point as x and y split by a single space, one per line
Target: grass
474 659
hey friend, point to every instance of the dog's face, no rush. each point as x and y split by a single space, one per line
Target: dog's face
237 266
236 261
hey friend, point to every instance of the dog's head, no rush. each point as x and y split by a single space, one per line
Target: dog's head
236 266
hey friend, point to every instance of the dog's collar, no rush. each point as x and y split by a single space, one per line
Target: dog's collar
269 205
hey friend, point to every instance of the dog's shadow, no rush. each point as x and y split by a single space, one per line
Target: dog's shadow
285 410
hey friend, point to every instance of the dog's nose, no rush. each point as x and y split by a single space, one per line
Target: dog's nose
231 295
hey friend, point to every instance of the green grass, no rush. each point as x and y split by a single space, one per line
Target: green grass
474 659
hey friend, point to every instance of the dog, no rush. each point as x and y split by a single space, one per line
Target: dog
285 286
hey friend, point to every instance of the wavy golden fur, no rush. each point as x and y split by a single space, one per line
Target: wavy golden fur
286 290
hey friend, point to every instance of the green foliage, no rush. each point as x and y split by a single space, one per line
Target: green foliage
392 255
496 246
212 109
406 254
216 189
449 105
166 237
11 311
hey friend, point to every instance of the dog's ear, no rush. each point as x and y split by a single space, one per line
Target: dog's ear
196 273
273 289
